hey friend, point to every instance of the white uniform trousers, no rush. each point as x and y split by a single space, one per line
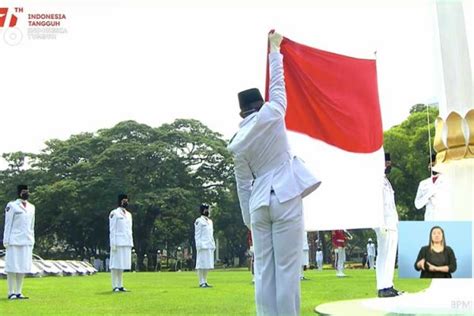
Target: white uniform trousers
276 233
371 260
319 262
387 240
117 278
340 259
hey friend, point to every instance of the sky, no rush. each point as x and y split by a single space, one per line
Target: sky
156 62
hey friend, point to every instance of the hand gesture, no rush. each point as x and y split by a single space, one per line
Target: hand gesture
421 264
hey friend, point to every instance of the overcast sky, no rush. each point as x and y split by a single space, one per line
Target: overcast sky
154 63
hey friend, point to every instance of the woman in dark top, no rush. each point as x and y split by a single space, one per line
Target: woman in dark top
436 260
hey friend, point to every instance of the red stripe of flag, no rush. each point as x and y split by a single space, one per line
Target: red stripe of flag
331 97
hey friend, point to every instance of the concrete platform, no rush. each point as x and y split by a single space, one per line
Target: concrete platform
444 297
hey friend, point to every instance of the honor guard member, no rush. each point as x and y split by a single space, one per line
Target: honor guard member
121 242
304 256
371 253
271 183
205 245
18 239
387 238
319 258
427 193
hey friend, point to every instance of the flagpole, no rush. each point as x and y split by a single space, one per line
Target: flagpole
429 139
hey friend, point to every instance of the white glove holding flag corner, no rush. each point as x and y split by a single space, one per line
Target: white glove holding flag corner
275 40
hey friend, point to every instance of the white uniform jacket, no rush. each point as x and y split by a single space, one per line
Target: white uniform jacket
262 157
120 224
389 210
204 233
426 195
19 224
371 249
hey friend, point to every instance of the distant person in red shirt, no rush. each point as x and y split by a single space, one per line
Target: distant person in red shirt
339 238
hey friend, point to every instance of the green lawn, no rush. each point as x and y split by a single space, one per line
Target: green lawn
177 293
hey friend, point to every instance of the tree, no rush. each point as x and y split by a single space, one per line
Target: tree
409 146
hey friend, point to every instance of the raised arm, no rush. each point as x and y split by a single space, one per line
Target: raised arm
277 89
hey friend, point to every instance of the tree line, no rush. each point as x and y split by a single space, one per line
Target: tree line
167 172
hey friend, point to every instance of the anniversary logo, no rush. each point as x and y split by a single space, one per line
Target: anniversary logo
38 25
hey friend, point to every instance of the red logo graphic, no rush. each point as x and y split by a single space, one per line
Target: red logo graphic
3 18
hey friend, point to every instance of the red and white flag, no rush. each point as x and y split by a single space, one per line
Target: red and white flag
335 126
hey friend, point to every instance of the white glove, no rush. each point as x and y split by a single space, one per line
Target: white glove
114 248
275 40
5 245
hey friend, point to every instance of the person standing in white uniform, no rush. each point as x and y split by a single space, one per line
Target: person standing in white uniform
371 253
18 240
121 242
205 245
319 258
428 190
387 239
271 183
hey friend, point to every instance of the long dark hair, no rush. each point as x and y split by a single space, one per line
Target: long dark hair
430 241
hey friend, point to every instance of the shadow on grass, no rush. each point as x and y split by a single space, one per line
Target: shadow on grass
112 293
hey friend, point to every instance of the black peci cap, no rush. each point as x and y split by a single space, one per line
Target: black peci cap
20 188
121 197
250 100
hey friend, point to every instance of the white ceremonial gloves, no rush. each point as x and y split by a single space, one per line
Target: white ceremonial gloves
5 245
275 40
114 248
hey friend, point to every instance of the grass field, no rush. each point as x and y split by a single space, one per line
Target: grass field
177 293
